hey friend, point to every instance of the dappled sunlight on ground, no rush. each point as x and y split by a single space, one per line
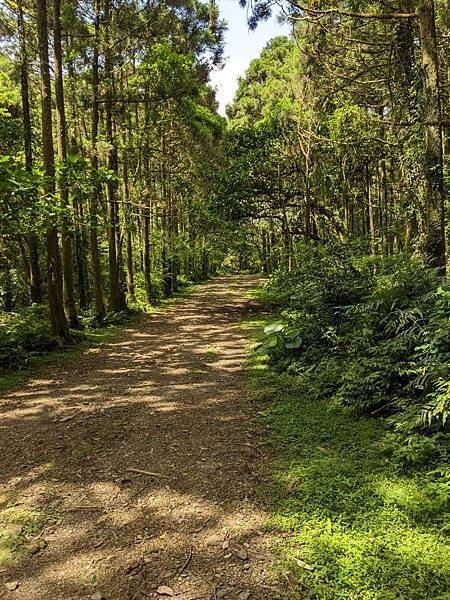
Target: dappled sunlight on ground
137 466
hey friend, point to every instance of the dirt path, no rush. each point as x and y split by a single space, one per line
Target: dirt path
170 399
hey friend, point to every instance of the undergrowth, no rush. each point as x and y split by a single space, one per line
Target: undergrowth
26 334
373 337
355 373
349 525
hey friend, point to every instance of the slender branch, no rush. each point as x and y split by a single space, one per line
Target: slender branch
356 15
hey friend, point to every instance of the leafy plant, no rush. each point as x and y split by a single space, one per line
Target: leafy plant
376 342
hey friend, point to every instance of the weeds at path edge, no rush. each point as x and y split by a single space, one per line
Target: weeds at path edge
348 525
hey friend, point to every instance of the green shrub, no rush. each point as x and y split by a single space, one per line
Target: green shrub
370 336
24 335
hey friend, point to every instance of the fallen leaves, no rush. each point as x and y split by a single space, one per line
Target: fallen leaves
111 484
242 554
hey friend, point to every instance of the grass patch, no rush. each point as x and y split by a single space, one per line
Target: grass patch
211 354
18 525
351 525
252 324
266 295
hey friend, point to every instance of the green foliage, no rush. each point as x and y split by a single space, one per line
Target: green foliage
374 338
24 335
203 121
19 211
10 123
168 72
259 177
349 524
266 90
27 334
353 133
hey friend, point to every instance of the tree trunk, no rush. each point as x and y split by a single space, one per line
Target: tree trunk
128 221
80 253
34 273
24 255
5 266
434 163
146 264
371 213
67 259
55 296
130 270
287 242
94 200
80 242
115 297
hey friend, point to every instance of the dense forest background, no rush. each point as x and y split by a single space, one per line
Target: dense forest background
109 131
112 147
120 181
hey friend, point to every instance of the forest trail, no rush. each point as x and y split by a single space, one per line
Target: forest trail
169 398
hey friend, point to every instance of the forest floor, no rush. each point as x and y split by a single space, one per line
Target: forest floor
134 471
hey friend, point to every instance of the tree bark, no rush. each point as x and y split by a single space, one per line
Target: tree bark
128 232
80 242
34 272
434 162
80 253
5 266
146 263
60 328
61 128
371 213
126 125
116 299
94 200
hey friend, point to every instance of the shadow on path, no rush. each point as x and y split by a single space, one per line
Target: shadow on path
168 399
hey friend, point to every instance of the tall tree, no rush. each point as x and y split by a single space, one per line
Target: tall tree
63 188
96 188
34 269
54 271
434 162
116 294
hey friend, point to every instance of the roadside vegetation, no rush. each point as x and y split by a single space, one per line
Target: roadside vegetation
352 376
